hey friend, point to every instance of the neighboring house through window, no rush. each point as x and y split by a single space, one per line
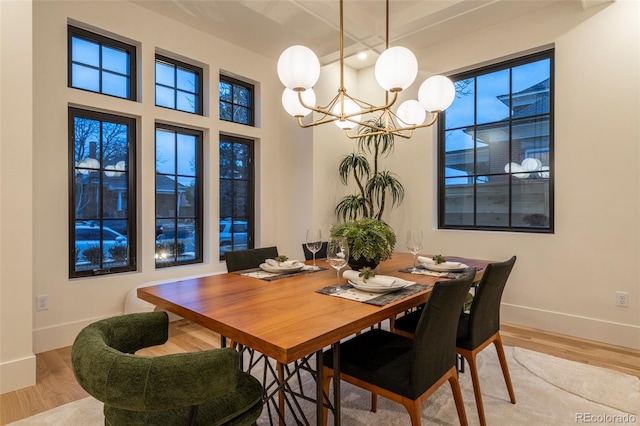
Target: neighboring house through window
236 100
495 148
178 85
102 231
236 194
101 64
178 196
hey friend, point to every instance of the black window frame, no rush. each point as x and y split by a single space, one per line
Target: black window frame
74 31
199 72
250 219
250 87
130 199
441 193
199 199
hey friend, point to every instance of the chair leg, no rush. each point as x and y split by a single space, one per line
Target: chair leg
414 408
392 324
505 369
457 396
470 356
374 402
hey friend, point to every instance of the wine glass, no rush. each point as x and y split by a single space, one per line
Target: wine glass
314 243
337 256
414 245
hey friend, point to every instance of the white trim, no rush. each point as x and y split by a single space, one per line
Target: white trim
614 333
17 374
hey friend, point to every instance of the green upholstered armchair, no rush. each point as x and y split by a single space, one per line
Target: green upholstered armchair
198 388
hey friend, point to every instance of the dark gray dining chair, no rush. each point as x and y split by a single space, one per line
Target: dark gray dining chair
478 328
481 327
250 258
408 370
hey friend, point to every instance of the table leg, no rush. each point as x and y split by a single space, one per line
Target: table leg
281 380
319 390
336 383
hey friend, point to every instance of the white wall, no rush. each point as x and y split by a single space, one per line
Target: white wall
17 362
563 282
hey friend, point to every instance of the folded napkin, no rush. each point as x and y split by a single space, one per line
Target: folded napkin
379 280
429 261
285 264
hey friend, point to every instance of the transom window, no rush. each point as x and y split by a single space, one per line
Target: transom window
236 100
178 196
102 237
236 194
495 148
178 85
100 64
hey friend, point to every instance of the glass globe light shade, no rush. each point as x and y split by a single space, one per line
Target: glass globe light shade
298 68
411 113
436 93
350 107
110 171
292 104
121 165
512 167
531 164
544 172
396 69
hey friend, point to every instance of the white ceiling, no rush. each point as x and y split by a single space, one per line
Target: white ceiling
270 26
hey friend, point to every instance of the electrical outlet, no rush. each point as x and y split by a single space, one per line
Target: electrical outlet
42 302
622 299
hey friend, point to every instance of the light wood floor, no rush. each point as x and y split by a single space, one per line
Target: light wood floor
56 384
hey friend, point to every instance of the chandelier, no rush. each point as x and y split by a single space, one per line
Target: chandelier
395 70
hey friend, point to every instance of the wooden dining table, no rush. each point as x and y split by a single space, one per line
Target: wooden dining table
288 319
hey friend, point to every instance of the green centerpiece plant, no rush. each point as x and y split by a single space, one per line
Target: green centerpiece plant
370 241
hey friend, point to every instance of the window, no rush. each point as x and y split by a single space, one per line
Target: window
102 236
178 85
236 101
495 148
178 196
100 64
236 194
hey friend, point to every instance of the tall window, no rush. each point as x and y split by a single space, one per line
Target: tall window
100 64
495 148
178 85
102 237
178 196
236 100
236 194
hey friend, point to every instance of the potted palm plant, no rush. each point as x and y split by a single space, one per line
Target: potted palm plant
370 239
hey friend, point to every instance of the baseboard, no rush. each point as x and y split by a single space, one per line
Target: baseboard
17 374
625 335
62 335
58 336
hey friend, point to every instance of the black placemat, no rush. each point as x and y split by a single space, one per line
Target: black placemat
383 299
279 276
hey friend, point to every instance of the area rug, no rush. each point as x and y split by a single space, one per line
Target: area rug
549 391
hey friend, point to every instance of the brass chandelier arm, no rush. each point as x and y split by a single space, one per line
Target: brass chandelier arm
390 128
327 111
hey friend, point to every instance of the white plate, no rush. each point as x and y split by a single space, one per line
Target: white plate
376 288
446 267
280 269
